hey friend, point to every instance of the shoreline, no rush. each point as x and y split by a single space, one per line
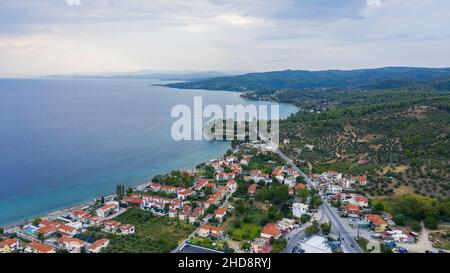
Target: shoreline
59 211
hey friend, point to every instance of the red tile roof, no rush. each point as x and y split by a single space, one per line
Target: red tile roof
220 211
99 243
42 248
375 219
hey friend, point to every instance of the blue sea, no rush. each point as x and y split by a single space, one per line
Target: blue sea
67 141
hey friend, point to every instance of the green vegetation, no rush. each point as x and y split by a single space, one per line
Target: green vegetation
176 179
402 134
265 162
244 231
291 84
410 210
278 245
120 191
153 234
211 244
277 194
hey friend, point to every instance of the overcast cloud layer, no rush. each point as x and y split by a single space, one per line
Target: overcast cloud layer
90 36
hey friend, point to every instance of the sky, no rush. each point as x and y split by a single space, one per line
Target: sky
95 36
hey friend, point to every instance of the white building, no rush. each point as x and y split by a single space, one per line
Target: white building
334 189
316 244
299 209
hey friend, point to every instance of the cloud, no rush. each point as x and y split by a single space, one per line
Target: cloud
373 2
238 20
217 34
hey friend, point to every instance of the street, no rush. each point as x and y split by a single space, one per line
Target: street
348 243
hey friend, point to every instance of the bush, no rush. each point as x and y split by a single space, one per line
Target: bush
399 219
431 222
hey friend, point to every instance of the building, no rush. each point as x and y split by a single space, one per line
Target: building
127 229
111 226
232 185
332 188
271 230
252 189
108 209
97 246
286 224
133 201
36 247
79 214
202 182
316 244
261 245
352 210
299 209
173 213
378 224
225 176
48 230
245 160
66 230
362 202
220 214
213 231
184 194
362 180
73 245
9 245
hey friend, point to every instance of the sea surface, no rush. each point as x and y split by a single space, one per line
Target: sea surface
67 141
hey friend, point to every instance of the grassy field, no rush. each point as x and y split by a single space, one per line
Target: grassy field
247 231
153 234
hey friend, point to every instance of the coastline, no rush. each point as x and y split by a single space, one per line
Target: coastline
54 213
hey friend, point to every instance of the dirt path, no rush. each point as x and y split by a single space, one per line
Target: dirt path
422 244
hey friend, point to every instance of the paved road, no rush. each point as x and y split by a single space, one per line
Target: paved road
338 227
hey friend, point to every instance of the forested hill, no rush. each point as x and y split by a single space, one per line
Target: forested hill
297 80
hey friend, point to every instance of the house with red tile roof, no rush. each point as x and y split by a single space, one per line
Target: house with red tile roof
202 182
225 176
252 189
208 230
232 185
97 246
362 202
292 172
48 230
271 230
108 209
9 245
137 202
220 213
194 217
79 214
352 210
377 222
183 215
95 220
173 213
73 245
184 194
127 229
66 230
245 160
36 247
111 226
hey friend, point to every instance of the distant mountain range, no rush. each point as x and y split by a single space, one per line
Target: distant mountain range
293 80
150 74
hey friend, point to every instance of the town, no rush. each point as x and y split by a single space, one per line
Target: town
253 200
